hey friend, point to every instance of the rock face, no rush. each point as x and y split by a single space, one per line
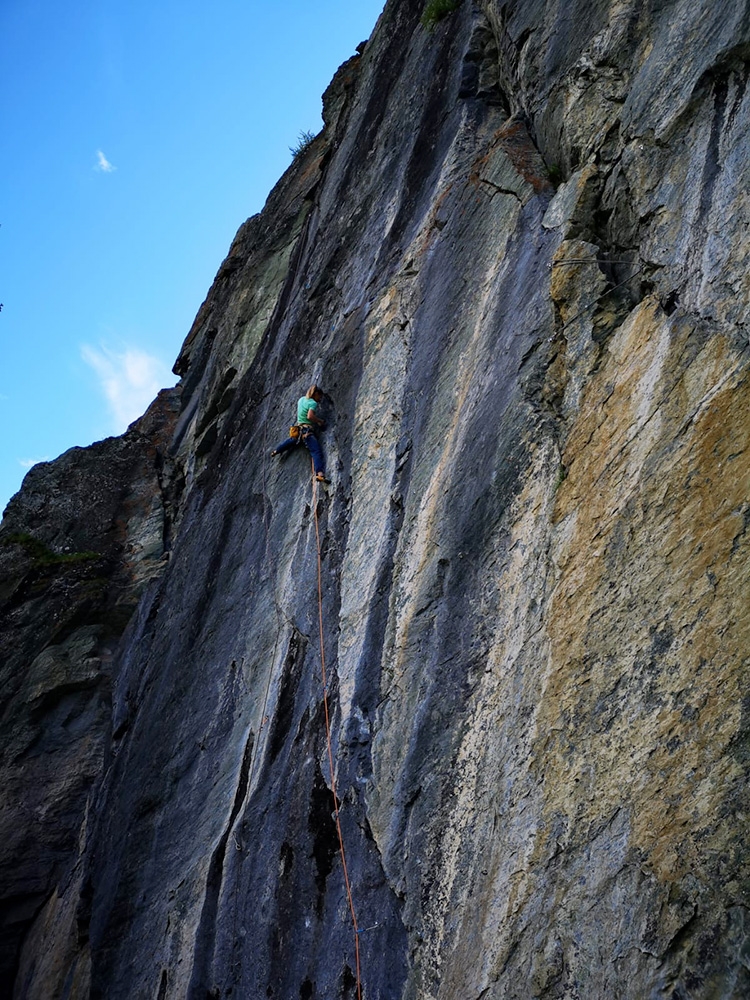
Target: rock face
515 260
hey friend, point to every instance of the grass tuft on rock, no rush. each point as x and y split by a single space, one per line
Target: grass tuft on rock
555 175
43 556
562 475
304 140
436 10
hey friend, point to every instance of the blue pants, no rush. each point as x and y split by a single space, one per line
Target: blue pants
311 443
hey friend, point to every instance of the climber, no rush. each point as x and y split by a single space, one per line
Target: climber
303 432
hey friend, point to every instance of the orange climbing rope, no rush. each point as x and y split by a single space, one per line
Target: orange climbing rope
328 738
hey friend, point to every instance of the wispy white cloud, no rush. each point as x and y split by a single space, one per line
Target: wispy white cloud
103 164
27 463
129 379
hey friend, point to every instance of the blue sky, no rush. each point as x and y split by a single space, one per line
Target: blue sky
137 136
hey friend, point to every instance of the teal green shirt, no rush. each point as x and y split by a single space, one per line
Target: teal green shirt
304 407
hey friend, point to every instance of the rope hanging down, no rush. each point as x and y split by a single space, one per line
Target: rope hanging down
588 260
328 740
599 298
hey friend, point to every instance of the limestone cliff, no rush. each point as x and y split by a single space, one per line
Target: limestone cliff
515 260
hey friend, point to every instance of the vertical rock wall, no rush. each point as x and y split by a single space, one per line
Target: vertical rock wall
514 259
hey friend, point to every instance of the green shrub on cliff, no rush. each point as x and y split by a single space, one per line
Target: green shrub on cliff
436 10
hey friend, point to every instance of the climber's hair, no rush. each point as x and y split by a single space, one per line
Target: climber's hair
313 390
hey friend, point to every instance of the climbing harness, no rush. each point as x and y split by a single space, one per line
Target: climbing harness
342 852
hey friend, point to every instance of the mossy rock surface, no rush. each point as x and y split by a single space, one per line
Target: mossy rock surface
437 10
